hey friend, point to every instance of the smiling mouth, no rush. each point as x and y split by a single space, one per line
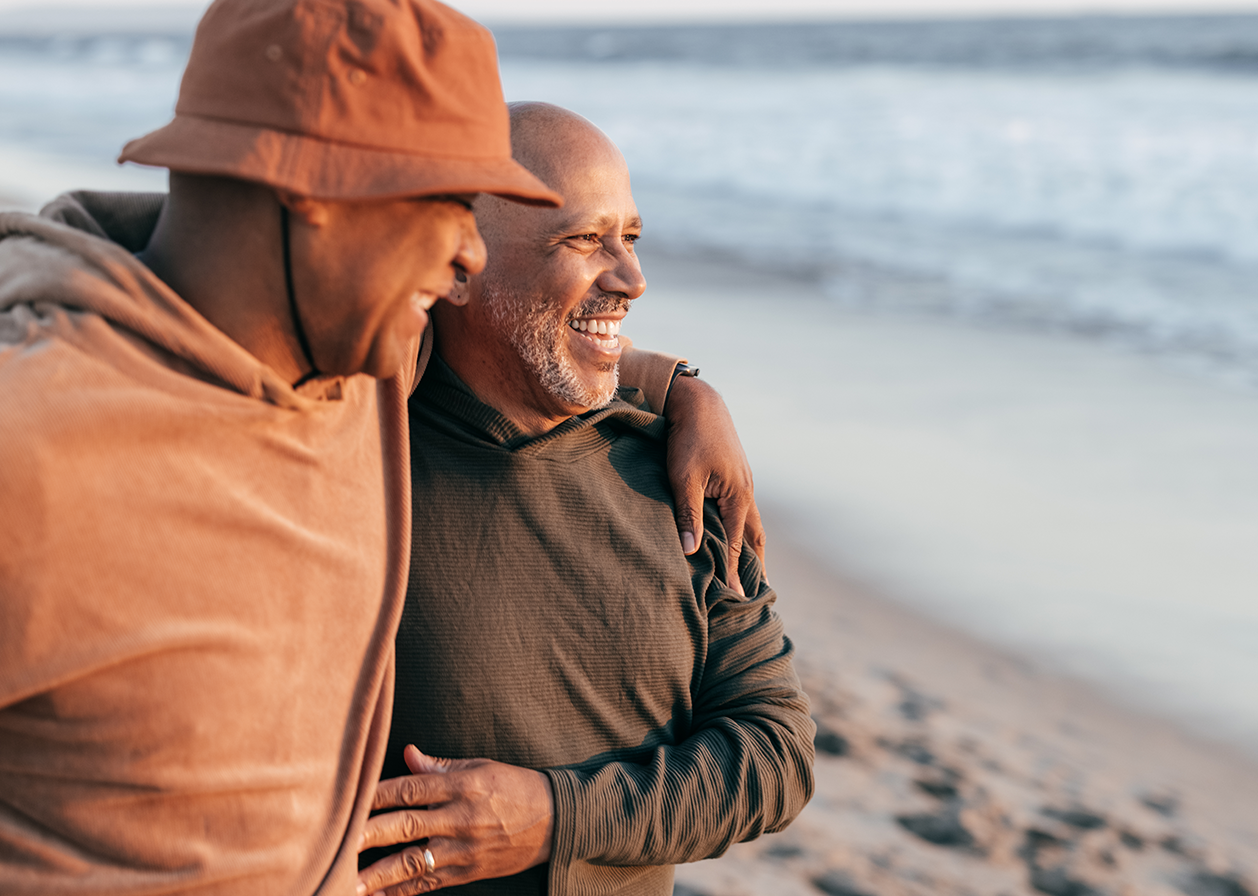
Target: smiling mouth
423 300
603 333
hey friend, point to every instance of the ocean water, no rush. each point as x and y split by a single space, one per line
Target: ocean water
1094 175
1092 181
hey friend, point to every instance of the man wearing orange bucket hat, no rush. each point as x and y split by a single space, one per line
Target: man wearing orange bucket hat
204 488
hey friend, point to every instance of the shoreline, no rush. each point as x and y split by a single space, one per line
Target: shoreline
947 766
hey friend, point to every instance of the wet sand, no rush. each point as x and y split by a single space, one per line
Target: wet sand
946 766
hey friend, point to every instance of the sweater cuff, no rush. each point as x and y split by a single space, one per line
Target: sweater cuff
652 372
563 784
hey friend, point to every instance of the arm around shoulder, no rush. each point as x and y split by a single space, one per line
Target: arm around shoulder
652 372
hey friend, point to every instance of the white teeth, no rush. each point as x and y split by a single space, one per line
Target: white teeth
596 327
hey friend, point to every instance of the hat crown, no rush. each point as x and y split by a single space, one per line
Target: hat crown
372 73
343 100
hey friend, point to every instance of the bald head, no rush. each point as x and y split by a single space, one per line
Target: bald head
549 140
557 145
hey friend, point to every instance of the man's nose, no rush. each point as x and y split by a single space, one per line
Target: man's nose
624 274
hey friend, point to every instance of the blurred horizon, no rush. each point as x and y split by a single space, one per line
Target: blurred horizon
24 13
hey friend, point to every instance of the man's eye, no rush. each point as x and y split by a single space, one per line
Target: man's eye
632 237
464 201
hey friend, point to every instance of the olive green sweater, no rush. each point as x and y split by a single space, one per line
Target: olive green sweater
552 622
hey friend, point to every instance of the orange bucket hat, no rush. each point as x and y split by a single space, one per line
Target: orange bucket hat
356 100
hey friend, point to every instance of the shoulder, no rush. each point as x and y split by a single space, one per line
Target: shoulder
60 407
33 435
629 412
632 397
37 386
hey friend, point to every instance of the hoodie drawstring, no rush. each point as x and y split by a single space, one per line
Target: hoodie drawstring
292 301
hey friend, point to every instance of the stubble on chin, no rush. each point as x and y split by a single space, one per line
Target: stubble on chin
536 331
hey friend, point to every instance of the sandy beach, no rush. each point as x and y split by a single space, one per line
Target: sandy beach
946 765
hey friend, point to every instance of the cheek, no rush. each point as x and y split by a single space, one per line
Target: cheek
438 243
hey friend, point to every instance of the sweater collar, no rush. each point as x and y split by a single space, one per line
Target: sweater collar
442 393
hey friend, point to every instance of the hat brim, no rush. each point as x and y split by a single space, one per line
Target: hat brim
322 169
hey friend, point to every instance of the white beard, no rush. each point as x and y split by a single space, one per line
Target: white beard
535 330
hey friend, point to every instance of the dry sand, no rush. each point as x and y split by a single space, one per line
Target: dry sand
945 766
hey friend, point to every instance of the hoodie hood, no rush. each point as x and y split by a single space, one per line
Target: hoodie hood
76 258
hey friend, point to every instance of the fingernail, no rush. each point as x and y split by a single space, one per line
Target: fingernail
362 888
688 542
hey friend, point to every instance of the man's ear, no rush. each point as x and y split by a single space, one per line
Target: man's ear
461 291
312 211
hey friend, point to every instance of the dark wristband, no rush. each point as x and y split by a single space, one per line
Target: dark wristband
682 369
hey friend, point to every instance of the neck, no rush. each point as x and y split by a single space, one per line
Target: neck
218 246
494 371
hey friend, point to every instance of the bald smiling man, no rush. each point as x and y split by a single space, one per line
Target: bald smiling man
629 706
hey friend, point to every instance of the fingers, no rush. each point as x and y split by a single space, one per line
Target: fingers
427 884
689 497
402 826
407 872
412 790
734 517
423 764
754 535
420 788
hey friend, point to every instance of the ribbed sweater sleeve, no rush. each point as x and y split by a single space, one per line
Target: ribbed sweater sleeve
745 768
652 372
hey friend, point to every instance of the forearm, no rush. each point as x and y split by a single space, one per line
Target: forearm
745 769
728 783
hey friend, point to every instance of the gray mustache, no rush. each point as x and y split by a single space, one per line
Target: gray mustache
604 304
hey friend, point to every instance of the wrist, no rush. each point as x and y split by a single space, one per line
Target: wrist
681 372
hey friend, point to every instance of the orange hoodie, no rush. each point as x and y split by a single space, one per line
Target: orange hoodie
201 574
201 571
